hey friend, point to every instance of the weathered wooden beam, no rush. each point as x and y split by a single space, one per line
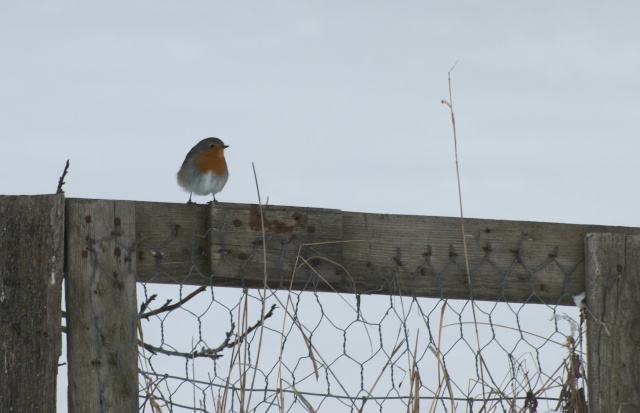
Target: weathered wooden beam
613 322
101 306
172 242
424 256
302 244
357 252
31 269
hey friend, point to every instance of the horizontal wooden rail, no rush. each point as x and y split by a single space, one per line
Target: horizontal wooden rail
332 250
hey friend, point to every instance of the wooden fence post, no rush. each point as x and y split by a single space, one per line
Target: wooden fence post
31 268
613 325
101 306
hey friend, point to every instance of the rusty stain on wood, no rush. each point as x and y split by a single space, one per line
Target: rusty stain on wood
358 252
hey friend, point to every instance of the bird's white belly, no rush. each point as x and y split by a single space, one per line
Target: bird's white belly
209 183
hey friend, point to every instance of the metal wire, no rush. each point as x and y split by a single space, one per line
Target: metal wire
346 352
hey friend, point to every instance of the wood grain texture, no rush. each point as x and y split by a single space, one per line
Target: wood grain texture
101 306
424 256
363 253
31 270
172 242
300 245
613 291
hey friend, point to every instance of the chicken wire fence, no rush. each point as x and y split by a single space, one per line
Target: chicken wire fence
206 348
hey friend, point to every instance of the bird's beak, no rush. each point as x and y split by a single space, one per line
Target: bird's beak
225 146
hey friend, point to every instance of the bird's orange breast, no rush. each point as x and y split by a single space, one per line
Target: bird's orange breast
211 160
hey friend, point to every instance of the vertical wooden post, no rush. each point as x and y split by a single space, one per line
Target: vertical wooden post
31 265
612 264
101 306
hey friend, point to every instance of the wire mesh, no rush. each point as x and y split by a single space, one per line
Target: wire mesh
224 349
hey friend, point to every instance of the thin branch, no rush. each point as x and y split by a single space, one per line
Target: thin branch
259 323
166 307
464 237
264 286
211 353
61 180
148 301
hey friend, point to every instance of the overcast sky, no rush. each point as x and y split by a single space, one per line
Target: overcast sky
336 102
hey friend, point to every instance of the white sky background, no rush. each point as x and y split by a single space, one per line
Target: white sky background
336 102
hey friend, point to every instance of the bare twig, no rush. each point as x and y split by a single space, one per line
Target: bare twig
464 237
265 277
211 353
148 301
205 352
166 307
259 323
61 180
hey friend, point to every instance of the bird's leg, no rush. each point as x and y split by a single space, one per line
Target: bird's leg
215 201
190 202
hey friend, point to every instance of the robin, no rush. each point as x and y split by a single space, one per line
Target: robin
204 170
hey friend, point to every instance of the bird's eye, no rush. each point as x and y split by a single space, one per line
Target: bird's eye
212 145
